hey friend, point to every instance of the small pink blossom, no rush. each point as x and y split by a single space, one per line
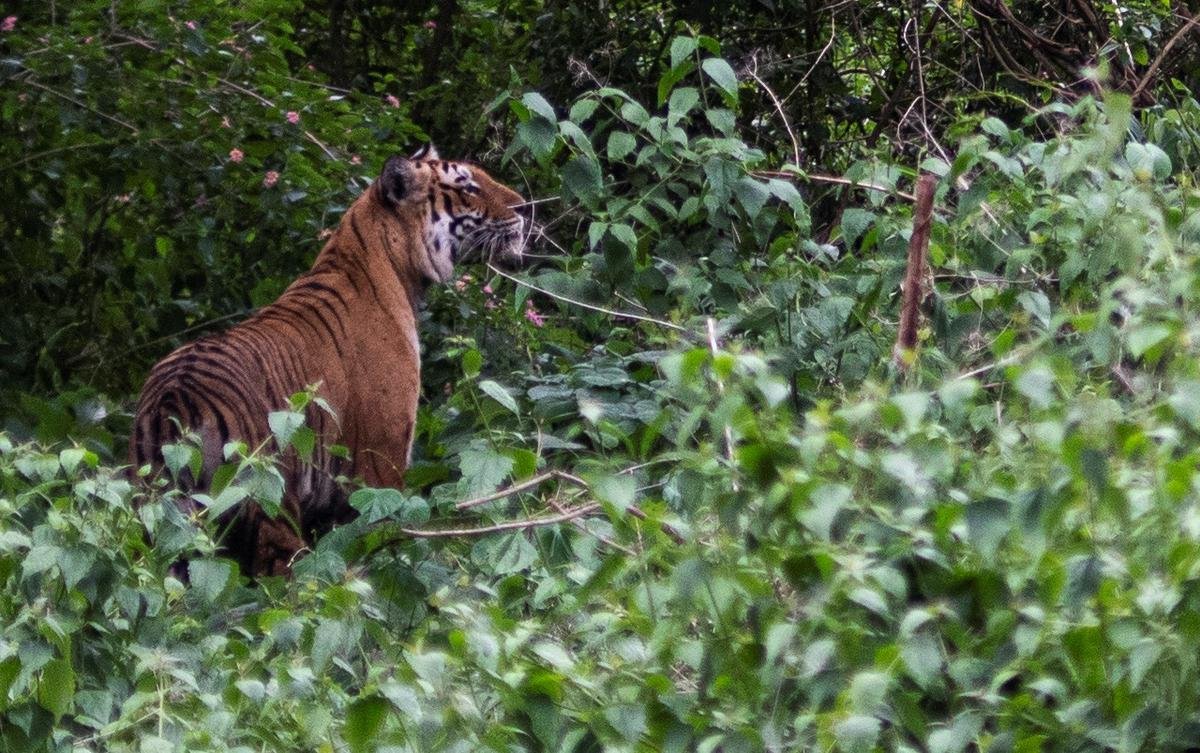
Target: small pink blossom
461 283
236 155
9 23
190 24
293 117
430 24
532 314
270 179
391 100
487 289
88 40
355 159
124 198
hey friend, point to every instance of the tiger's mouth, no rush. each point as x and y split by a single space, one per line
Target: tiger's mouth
502 242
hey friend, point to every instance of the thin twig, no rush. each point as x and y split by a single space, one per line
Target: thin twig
579 524
84 105
1162 55
513 525
712 344
593 307
779 109
519 487
834 180
268 103
529 483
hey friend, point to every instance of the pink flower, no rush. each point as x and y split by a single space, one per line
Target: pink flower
236 155
391 100
430 24
9 23
487 289
355 159
190 24
293 117
88 40
532 314
270 179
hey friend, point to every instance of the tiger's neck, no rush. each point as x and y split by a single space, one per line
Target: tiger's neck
378 258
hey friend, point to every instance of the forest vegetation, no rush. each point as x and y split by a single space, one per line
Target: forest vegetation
694 478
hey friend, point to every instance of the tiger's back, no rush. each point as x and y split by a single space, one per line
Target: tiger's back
348 325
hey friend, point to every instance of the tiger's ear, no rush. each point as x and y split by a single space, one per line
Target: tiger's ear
427 152
400 180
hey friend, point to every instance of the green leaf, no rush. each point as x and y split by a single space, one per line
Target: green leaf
722 75
1142 339
922 657
581 176
681 102
209 577
178 456
620 144
583 109
682 49
751 194
618 490
988 522
483 469
857 734
504 554
539 135
855 222
364 720
625 235
538 105
56 687
500 395
284 425
472 362
377 504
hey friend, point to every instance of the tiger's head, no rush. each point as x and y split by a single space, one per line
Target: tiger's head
463 212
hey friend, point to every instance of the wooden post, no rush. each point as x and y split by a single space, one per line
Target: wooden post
914 292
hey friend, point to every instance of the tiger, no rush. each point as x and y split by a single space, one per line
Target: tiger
349 325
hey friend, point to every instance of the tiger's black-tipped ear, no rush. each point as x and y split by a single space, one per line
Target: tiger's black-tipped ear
398 179
426 152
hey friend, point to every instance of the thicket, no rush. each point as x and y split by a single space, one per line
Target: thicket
739 523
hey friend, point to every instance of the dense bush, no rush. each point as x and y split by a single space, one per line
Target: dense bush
738 526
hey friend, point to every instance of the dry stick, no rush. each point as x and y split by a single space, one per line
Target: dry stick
779 109
914 275
601 537
633 510
593 307
834 180
1153 69
712 344
514 525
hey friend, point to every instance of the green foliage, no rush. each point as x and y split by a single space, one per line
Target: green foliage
738 526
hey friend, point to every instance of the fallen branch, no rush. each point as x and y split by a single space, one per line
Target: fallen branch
513 525
834 180
915 273
529 483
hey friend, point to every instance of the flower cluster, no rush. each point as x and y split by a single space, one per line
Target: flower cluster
9 23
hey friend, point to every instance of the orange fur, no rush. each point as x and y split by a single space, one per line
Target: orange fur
350 325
